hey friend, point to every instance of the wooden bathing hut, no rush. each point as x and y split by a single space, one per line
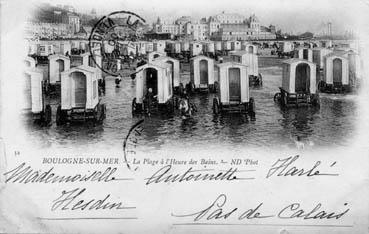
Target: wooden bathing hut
195 48
202 74
173 48
326 44
234 92
159 46
304 53
319 54
218 47
209 49
285 49
79 60
298 84
57 64
149 47
226 47
80 97
34 96
45 49
251 61
174 63
250 48
235 45
155 77
336 74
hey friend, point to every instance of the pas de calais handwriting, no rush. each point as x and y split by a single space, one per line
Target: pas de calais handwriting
218 211
286 168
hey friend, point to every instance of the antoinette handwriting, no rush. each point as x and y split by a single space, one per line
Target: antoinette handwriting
164 174
217 211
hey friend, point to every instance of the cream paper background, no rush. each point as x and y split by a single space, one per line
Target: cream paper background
22 205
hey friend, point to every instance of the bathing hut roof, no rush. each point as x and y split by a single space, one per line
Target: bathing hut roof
239 52
81 68
302 48
320 48
164 58
58 56
338 53
199 57
296 60
157 63
33 70
230 64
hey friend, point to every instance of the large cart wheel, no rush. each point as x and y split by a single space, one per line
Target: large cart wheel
47 115
277 97
215 106
60 116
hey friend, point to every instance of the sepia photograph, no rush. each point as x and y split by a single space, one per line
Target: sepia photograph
164 116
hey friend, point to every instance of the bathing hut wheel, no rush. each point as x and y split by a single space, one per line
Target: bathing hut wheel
277 97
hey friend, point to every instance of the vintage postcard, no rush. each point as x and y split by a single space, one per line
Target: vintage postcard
207 116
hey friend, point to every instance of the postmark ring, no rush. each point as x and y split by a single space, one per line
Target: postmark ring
103 31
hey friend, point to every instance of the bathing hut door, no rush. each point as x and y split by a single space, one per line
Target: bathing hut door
302 78
337 70
234 84
151 80
305 54
204 72
251 49
79 89
60 63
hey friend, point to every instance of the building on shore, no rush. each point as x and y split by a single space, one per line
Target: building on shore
224 26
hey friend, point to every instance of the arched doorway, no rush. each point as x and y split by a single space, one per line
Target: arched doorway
251 49
79 80
204 76
60 64
305 54
234 75
151 80
337 71
302 78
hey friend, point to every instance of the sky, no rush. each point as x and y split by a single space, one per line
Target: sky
288 15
